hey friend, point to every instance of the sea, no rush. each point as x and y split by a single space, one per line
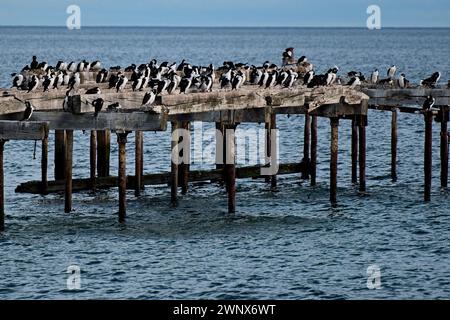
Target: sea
284 244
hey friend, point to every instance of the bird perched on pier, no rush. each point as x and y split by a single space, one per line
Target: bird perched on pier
175 82
74 81
308 77
288 56
391 71
186 83
59 80
402 81
225 78
292 77
33 84
48 82
95 90
149 98
114 107
72 66
101 76
282 78
121 83
34 63
28 111
332 76
206 83
374 77
272 79
95 65
355 81
238 81
429 103
17 80
431 81
98 105
61 66
387 81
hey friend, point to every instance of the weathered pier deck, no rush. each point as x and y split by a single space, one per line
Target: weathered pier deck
226 109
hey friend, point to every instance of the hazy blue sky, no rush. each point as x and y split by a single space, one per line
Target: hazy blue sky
398 13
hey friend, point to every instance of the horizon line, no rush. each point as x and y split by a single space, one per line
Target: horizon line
209 26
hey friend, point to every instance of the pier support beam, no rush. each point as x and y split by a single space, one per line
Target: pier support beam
68 172
219 146
334 160
306 145
103 152
362 152
2 192
444 118
60 154
44 164
93 158
354 152
394 139
122 174
271 148
313 169
185 155
428 154
138 163
230 166
174 164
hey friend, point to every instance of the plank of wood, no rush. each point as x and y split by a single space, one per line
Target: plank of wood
35 187
125 121
23 130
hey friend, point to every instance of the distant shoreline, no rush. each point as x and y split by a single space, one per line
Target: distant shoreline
220 27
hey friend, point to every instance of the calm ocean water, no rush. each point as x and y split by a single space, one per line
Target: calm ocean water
285 245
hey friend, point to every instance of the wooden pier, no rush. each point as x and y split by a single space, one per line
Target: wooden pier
227 109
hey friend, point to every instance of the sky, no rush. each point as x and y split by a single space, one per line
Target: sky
291 13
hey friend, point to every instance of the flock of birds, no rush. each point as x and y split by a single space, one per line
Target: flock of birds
167 78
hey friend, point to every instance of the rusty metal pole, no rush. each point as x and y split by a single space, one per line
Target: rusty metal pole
354 152
444 145
313 170
2 192
394 139
185 153
93 157
44 164
306 146
362 153
122 141
60 154
174 164
230 167
428 154
68 171
138 163
334 159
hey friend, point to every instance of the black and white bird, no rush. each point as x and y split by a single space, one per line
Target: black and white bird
374 77
121 83
206 83
101 76
48 82
429 103
59 80
72 66
186 83
175 82
61 66
33 84
149 98
272 80
34 63
95 90
98 105
74 81
114 107
288 56
355 81
238 81
402 81
282 78
95 66
308 77
431 81
137 83
391 71
292 77
162 85
387 81
17 80
28 111
225 79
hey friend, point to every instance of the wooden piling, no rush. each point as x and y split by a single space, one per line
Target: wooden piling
93 158
334 159
273 149
354 152
44 164
313 169
428 154
68 171
122 174
103 152
60 154
138 163
219 146
444 115
185 154
268 147
174 164
306 145
2 192
394 139
230 167
362 152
